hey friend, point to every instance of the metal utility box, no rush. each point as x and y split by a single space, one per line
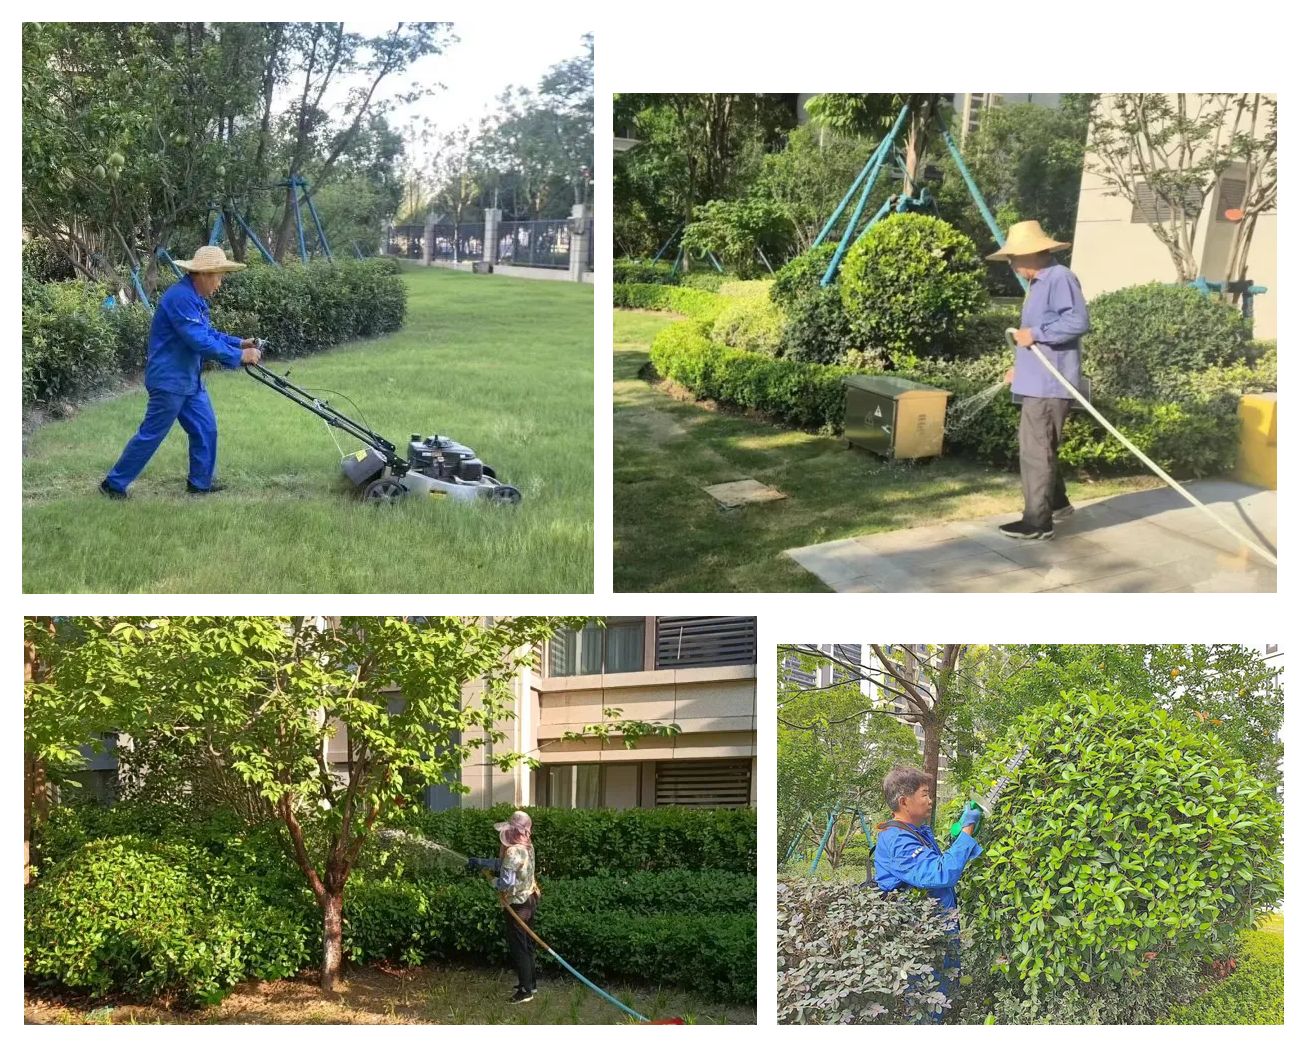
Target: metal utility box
893 416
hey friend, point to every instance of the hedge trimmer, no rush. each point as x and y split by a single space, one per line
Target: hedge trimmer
985 805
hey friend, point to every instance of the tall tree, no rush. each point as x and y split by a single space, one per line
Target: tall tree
264 695
1167 153
875 115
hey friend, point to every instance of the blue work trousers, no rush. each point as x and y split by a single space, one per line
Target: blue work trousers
195 414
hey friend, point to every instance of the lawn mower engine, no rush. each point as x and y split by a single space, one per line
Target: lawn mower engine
437 467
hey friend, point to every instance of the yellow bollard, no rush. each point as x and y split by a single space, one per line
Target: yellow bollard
1257 423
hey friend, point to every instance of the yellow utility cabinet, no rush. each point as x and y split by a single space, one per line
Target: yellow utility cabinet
1256 462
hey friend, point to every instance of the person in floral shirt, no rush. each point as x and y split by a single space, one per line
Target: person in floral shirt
516 884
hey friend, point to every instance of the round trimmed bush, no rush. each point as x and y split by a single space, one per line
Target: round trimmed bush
751 323
800 277
1141 335
129 916
911 284
1127 835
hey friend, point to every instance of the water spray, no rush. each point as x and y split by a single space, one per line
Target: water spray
1010 335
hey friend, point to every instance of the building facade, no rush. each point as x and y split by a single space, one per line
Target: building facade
1114 246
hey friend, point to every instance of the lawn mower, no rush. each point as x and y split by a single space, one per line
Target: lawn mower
436 466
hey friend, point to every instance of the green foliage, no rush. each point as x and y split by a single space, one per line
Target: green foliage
910 283
1127 834
643 271
577 843
800 278
44 262
71 345
703 281
751 323
809 396
1141 335
846 956
1252 995
736 230
817 328
149 920
300 309
696 304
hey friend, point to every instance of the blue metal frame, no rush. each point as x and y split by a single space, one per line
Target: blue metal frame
317 222
821 847
1221 287
830 827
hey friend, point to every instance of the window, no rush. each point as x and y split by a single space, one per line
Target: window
702 783
1153 208
574 785
685 642
850 654
803 677
616 648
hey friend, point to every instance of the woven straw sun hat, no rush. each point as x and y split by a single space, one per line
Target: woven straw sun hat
1026 238
210 259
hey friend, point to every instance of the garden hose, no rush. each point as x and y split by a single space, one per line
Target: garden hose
567 966
1010 335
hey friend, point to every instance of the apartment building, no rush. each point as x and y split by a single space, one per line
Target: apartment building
1114 246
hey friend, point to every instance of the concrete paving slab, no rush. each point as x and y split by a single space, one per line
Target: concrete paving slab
743 492
1150 541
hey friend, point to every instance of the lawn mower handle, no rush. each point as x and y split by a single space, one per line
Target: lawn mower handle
325 411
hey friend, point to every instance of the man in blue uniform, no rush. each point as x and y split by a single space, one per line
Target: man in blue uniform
907 855
1053 319
181 339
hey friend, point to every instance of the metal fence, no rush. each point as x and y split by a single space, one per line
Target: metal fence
545 244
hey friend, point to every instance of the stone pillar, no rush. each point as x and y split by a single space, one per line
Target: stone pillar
490 241
428 237
582 228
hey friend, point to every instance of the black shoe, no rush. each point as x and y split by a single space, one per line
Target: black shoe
1062 512
1021 529
213 488
111 492
523 996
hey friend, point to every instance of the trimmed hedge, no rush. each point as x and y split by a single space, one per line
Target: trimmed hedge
666 928
688 301
643 271
587 843
750 322
74 348
1252 995
1196 437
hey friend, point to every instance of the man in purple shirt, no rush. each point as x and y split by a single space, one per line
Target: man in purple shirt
1053 318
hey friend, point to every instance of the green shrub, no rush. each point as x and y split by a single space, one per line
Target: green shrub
704 281
851 956
128 916
643 271
43 261
1141 335
800 277
754 289
983 334
696 304
1126 835
576 843
1252 995
667 928
751 323
70 344
910 284
735 230
817 329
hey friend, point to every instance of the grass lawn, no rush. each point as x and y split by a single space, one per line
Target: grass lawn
446 995
669 535
502 365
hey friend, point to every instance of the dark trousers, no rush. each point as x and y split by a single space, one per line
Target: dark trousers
1039 434
520 946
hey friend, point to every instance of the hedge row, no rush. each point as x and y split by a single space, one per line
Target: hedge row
574 843
1194 437
1252 995
166 919
74 348
689 301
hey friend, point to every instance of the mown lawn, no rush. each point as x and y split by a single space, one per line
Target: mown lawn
444 995
668 535
503 365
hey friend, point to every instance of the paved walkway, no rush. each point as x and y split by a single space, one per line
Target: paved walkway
1143 542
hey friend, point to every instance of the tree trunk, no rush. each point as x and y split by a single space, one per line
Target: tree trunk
930 728
333 903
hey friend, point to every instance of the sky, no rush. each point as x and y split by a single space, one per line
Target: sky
475 70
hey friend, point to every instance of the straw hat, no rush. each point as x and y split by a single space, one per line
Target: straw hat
210 259
1026 238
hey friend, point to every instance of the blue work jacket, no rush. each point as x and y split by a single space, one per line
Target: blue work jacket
914 859
1055 312
182 338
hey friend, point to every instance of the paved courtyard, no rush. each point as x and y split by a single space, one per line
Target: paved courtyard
1142 542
